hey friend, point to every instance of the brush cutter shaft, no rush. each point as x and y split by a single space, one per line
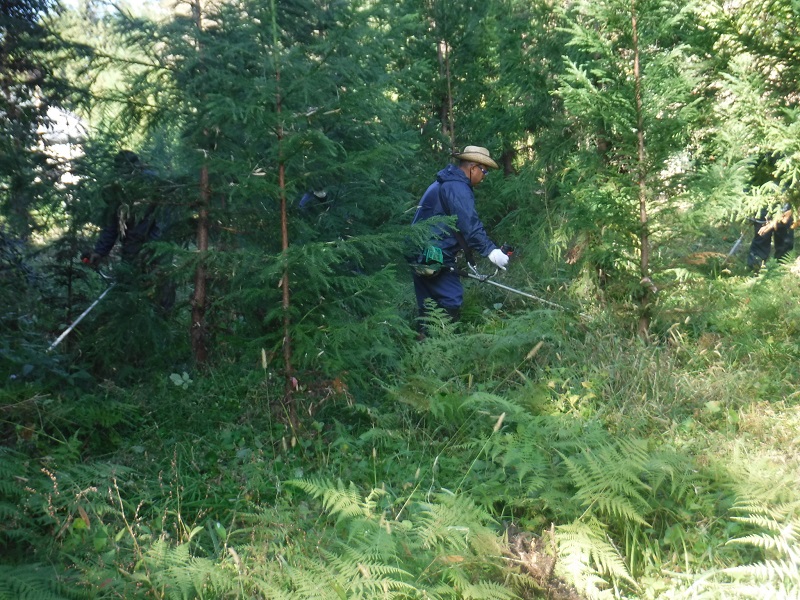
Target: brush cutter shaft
78 320
735 247
485 279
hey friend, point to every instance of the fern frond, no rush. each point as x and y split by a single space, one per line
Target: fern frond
585 553
484 590
182 575
427 394
493 404
785 571
762 591
609 478
760 509
338 500
363 578
670 468
781 522
527 452
769 520
455 522
489 591
351 565
768 542
266 588
32 582
338 577
432 553
311 579
529 461
11 466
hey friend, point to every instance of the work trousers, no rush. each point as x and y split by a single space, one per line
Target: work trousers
444 289
761 246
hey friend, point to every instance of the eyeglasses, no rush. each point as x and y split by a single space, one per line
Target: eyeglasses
484 171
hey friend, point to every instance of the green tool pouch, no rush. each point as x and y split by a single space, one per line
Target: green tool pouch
430 262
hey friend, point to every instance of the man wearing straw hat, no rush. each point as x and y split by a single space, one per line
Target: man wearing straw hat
451 195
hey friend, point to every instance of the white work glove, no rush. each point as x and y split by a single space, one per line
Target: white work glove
499 258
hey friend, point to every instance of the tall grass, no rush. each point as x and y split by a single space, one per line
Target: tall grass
622 469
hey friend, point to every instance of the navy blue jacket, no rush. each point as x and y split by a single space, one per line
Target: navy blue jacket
451 195
132 223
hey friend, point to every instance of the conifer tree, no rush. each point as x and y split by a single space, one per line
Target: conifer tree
30 85
271 104
758 103
504 53
442 49
34 145
632 93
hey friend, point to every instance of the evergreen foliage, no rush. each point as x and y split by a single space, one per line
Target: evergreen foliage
322 451
30 85
604 174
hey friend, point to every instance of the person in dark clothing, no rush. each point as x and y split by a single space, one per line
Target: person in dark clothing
313 198
130 211
452 195
779 230
132 219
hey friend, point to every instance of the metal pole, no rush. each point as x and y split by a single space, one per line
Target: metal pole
78 320
485 279
734 249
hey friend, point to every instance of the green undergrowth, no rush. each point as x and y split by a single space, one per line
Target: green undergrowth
519 454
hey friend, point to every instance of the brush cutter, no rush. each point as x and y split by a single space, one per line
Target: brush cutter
474 274
72 326
734 249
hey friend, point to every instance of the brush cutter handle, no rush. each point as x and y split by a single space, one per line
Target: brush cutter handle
91 259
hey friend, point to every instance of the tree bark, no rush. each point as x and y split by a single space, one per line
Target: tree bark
446 110
198 333
290 383
199 298
644 234
507 160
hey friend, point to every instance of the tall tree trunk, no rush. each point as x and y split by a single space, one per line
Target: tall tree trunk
507 160
289 379
644 235
199 298
446 109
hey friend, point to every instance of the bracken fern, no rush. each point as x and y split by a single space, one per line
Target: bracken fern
33 582
779 571
442 548
609 480
587 555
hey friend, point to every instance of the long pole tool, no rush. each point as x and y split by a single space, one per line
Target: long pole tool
486 279
67 331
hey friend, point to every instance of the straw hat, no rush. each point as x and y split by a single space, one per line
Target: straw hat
478 155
